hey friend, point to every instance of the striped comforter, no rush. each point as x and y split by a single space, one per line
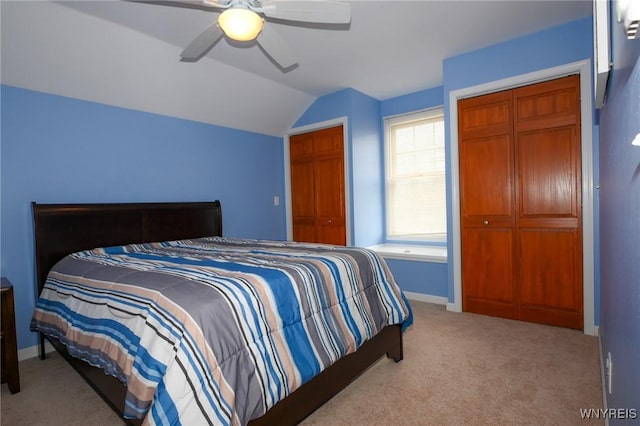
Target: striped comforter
216 330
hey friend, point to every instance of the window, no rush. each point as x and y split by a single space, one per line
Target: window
415 177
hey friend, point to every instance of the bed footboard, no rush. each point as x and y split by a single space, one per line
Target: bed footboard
308 398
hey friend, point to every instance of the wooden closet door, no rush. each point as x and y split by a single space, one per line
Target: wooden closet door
317 186
520 175
549 223
487 205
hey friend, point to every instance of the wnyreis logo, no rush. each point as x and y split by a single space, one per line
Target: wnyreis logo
609 413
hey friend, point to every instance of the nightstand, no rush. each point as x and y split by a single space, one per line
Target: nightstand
9 345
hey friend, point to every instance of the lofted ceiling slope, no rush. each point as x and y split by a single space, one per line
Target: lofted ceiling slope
126 54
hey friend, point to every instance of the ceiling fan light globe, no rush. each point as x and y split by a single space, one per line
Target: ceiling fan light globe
240 24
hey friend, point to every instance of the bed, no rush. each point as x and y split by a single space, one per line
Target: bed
111 256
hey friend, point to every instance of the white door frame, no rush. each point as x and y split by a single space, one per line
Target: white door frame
584 69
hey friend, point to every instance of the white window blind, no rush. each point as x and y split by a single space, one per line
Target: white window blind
415 177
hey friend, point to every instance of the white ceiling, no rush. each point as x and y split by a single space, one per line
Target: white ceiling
127 54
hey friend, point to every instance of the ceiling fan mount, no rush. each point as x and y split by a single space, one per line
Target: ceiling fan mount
245 20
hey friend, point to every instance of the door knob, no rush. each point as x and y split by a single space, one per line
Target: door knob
486 222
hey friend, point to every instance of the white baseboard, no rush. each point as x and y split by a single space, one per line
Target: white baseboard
452 307
32 352
438 300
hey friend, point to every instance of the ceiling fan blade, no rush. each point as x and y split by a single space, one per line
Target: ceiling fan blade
186 4
275 46
201 44
317 11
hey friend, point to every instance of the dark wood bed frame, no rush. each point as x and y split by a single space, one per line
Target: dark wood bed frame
61 229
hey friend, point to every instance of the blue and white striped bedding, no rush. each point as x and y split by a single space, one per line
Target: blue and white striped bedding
216 330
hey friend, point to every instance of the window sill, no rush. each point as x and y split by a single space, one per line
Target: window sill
434 254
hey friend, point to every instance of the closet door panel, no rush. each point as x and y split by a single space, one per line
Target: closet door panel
551 277
548 162
329 141
548 268
486 175
301 146
329 186
330 232
554 103
304 230
329 182
487 204
302 184
487 273
486 115
302 204
549 224
330 220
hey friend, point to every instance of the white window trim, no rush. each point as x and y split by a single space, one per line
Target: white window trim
421 253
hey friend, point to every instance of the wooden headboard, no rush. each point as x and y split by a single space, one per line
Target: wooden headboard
62 229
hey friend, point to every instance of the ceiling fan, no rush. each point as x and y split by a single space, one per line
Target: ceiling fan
244 21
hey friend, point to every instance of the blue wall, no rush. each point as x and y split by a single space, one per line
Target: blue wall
61 150
428 278
620 224
418 101
545 49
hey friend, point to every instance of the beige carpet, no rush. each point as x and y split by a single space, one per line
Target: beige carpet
458 369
